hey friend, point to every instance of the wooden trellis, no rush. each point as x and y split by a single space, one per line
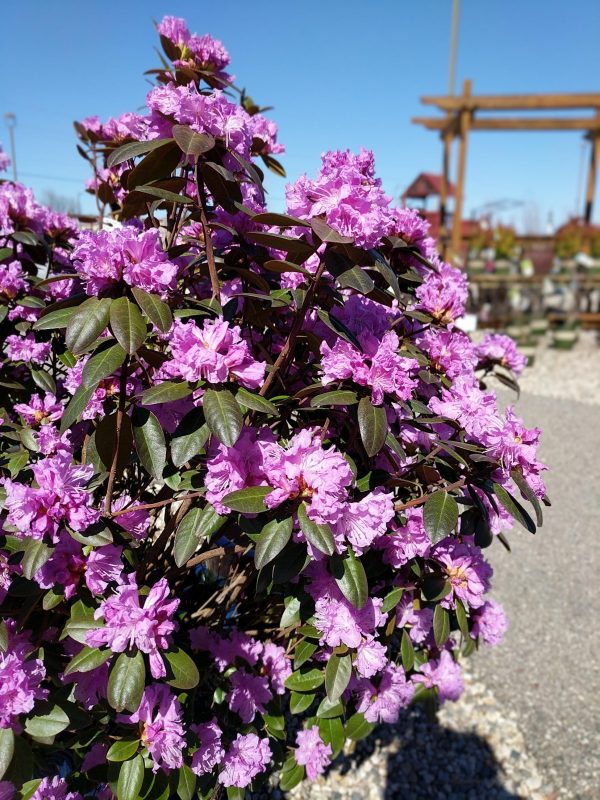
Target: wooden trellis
462 114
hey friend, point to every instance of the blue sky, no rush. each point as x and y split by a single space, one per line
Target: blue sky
340 73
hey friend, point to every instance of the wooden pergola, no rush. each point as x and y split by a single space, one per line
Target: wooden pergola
468 112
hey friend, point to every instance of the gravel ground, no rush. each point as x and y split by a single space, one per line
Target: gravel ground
528 724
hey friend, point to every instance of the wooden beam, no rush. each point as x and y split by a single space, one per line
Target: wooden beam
447 139
516 124
465 119
591 184
509 102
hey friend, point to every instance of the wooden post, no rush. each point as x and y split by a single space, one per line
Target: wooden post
447 138
464 120
591 184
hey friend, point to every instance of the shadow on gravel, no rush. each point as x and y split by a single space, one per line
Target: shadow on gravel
418 759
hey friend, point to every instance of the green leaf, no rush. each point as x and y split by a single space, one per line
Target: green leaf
149 441
55 319
106 360
351 578
300 702
407 652
255 402
192 143
186 783
127 324
373 426
122 750
461 618
327 234
303 652
36 555
357 727
189 438
280 220
305 680
86 324
105 440
182 672
198 524
131 777
440 515
247 501
126 682
514 508
133 149
337 676
329 709
356 278
291 613
76 406
164 194
223 415
3 636
49 724
289 244
320 536
517 476
441 625
43 380
166 392
7 748
157 311
87 659
391 600
291 774
339 398
332 732
275 265
271 541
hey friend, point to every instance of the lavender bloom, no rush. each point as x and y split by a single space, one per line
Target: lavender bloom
55 788
469 574
247 756
162 729
444 675
127 623
383 703
495 348
312 752
248 694
489 623
27 349
210 751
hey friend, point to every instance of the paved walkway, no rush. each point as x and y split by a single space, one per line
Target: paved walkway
547 671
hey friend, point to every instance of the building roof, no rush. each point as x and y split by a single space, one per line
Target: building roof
425 185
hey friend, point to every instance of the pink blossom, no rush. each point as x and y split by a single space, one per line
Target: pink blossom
55 788
496 348
443 294
214 353
247 756
127 623
162 734
451 352
363 522
248 694
210 750
466 569
277 665
382 703
312 752
371 657
40 411
136 523
305 470
12 279
405 542
20 680
489 623
26 348
103 566
444 675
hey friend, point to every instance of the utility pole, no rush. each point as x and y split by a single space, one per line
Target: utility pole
11 121
453 47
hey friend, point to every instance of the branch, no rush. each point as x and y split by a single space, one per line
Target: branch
117 442
424 498
283 359
158 504
217 551
210 256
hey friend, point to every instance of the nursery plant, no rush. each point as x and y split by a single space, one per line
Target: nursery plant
249 460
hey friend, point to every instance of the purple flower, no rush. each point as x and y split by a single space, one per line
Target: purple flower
175 29
474 410
443 294
12 279
137 257
7 790
495 348
516 446
54 789
312 752
382 703
64 567
347 194
341 623
136 523
248 694
444 675
40 411
214 353
405 542
305 470
451 352
247 756
466 569
489 623
371 657
162 734
127 623
104 566
410 226
363 522
20 679
226 651
60 497
5 161
210 750
277 665
26 348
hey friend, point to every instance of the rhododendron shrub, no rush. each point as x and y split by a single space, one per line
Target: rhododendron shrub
249 461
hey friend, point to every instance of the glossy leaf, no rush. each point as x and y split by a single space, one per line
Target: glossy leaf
441 625
182 672
149 441
127 324
440 515
198 524
87 659
373 426
351 578
157 311
86 324
337 676
166 392
223 415
247 501
271 541
105 361
320 536
126 682
131 777
514 508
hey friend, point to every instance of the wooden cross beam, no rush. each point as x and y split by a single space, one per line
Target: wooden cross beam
515 102
513 123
